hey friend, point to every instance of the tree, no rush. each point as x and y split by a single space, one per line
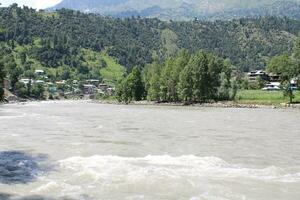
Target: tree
185 88
14 72
38 91
260 82
135 84
170 76
23 57
225 81
233 88
287 68
131 87
152 80
224 89
21 90
216 67
297 48
166 84
122 91
200 76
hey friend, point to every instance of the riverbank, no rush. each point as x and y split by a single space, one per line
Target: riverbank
253 103
260 97
224 104
227 104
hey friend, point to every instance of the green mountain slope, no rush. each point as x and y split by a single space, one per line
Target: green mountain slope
185 9
248 43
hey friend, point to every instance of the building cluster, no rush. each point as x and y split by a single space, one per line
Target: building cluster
66 87
94 86
273 81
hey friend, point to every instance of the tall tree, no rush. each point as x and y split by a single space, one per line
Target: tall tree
180 61
152 80
201 78
297 48
131 87
185 88
288 69
135 84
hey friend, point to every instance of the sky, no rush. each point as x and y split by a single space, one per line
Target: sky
38 4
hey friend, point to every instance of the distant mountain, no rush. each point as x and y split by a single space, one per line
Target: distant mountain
186 9
280 9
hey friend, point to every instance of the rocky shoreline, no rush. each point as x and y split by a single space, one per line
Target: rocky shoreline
227 104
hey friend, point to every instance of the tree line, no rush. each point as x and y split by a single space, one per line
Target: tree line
197 77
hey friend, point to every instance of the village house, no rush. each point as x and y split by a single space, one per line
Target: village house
274 77
94 82
103 87
110 91
39 72
89 89
26 81
253 75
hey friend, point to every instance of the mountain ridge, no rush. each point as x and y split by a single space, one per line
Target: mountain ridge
185 9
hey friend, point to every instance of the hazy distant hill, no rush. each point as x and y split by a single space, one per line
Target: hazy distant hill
186 9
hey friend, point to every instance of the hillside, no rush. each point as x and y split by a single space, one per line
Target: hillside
56 40
280 9
185 9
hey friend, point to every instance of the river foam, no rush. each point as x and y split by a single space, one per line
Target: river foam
163 177
99 167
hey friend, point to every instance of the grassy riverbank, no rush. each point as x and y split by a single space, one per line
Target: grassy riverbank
244 99
264 97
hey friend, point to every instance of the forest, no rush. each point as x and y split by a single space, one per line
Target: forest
198 77
248 43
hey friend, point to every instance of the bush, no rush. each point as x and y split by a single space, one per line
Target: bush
21 90
38 91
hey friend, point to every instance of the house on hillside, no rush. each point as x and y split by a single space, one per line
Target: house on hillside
39 72
110 91
253 75
89 89
274 77
103 86
94 82
39 82
26 81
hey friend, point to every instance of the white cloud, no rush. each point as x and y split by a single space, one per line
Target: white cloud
39 4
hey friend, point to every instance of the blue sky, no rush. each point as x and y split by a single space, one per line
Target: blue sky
39 4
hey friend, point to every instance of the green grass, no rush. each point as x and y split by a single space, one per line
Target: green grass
113 71
264 97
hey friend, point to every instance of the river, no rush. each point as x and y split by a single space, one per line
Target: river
86 151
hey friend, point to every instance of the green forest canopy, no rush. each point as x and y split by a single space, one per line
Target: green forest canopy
56 39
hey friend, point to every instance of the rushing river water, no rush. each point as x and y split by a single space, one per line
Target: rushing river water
86 151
